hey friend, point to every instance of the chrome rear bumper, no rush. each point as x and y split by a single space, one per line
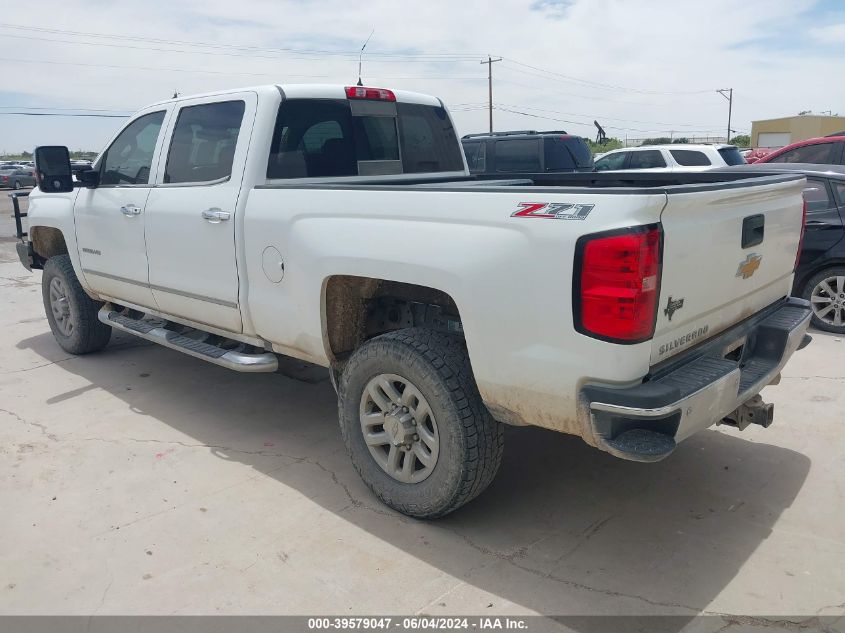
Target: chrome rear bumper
699 389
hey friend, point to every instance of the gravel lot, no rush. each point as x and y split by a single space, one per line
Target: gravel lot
143 481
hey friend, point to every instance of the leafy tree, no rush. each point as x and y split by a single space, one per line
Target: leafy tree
662 140
741 140
610 143
681 139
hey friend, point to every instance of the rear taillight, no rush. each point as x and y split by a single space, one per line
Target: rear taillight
374 94
801 239
5 179
617 282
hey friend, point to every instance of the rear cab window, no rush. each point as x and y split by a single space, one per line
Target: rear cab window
341 137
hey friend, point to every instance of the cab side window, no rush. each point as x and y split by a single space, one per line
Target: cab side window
128 160
612 161
816 196
203 145
646 159
817 153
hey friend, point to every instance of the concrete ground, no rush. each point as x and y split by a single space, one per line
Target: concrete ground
142 481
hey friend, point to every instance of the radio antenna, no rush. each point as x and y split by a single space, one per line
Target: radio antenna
361 56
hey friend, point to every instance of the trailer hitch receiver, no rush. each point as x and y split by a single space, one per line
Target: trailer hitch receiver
755 411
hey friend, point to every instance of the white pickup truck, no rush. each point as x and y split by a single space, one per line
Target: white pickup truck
340 225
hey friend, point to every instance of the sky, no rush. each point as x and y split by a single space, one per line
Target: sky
642 68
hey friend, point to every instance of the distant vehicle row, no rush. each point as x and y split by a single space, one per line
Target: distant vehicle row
17 177
684 157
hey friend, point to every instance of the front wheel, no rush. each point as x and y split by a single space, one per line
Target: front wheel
72 314
414 424
826 293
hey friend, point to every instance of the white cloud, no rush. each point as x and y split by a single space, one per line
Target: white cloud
829 34
661 46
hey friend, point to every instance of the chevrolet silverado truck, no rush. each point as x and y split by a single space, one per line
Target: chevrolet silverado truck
340 225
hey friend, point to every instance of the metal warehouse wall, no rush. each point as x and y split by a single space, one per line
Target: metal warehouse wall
799 128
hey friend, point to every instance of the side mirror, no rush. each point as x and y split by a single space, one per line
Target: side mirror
89 178
52 169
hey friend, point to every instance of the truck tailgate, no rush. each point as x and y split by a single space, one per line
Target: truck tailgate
710 279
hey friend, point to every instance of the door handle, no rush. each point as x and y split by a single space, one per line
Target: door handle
215 215
130 210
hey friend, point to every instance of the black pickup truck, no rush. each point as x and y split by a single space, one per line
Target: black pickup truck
535 155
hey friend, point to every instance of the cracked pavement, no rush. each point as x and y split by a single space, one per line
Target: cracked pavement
142 481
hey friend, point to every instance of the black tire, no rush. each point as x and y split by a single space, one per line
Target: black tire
16 184
88 334
471 441
815 280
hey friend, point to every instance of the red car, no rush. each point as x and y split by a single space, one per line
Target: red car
827 150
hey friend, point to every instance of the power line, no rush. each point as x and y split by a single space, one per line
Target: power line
153 68
277 57
429 57
601 85
609 118
548 118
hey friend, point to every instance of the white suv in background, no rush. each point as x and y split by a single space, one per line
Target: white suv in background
678 156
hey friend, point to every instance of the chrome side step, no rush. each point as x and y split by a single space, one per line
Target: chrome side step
153 331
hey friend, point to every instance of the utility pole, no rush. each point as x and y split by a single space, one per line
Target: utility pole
730 97
490 61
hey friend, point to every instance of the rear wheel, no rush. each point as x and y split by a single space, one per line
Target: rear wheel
414 424
16 184
826 293
72 314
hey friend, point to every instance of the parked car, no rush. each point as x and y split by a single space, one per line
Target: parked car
17 178
501 154
820 275
680 156
756 154
339 225
825 150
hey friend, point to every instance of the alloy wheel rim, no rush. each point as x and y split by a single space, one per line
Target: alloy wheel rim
60 307
828 301
399 428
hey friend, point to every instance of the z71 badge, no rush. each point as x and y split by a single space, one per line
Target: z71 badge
553 210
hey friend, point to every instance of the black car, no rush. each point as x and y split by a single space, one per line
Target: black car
526 152
820 277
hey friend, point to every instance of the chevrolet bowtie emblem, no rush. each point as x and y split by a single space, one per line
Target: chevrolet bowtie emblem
749 266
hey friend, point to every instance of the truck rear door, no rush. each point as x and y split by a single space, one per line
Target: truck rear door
728 252
191 211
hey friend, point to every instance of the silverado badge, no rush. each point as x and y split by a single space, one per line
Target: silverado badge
749 266
673 306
